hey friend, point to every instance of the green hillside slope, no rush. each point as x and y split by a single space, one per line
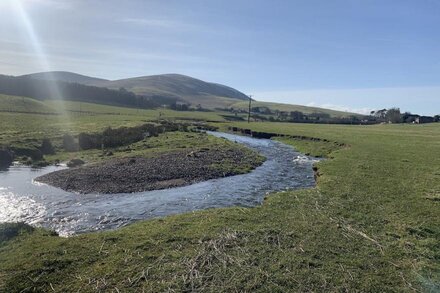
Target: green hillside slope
166 88
180 87
23 104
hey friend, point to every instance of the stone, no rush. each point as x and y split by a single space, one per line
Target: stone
75 163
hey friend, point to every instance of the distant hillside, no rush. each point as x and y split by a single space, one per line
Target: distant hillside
158 90
181 87
65 76
291 108
175 87
60 90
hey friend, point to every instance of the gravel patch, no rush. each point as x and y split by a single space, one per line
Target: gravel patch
137 174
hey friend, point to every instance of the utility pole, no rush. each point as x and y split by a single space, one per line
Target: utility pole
249 112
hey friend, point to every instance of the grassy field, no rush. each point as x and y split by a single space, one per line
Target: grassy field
75 117
89 108
371 225
23 104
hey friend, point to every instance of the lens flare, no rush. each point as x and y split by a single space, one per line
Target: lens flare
29 28
41 56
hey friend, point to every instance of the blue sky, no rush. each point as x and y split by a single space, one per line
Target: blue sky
351 55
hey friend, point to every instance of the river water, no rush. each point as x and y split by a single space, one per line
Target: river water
22 199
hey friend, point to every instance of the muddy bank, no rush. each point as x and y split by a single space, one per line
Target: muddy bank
126 175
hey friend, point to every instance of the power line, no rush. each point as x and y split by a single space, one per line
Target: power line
249 112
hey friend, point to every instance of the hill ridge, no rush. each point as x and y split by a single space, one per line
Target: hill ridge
66 76
175 86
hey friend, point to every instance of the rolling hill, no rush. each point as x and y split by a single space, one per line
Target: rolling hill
66 77
169 86
23 104
166 88
175 85
42 90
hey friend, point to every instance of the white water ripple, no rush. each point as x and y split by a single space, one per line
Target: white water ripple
15 208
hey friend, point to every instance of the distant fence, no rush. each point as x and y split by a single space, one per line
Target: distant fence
29 112
58 113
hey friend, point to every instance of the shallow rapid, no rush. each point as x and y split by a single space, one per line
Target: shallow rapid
23 199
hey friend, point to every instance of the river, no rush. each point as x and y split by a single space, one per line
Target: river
24 200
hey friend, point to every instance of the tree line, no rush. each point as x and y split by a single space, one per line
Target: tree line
392 115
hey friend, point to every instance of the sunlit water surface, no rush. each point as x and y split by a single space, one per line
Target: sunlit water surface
22 199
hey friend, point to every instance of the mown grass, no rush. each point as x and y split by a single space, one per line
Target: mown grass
371 225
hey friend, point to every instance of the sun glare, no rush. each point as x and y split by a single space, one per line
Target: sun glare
25 22
28 27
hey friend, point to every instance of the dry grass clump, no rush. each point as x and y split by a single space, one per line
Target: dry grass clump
214 256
